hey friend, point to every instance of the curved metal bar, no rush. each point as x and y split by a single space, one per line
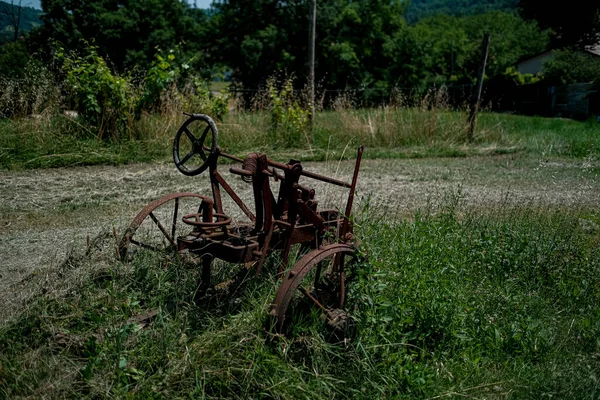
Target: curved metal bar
293 279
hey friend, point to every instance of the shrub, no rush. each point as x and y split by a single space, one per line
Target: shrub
199 99
289 119
160 78
103 99
571 66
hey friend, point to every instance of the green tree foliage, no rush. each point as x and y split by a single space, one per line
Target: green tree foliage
360 43
418 9
351 39
255 38
127 32
103 99
259 37
13 58
367 43
444 49
574 24
572 66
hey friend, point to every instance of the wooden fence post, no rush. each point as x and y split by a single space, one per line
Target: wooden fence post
476 98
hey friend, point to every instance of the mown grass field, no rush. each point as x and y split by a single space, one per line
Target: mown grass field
480 276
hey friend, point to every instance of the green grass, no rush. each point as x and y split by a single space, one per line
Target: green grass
219 86
59 142
549 136
451 303
388 133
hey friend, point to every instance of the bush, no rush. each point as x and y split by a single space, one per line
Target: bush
13 56
199 99
160 78
571 66
289 120
103 99
168 85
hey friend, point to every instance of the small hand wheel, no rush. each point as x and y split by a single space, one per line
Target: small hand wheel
190 140
196 220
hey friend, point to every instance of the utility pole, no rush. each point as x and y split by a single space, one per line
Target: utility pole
476 98
311 61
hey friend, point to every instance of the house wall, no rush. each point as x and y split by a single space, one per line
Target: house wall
572 100
534 65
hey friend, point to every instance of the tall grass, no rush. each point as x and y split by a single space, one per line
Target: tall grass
449 304
39 134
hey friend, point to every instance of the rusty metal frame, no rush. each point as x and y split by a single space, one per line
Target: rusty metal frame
277 223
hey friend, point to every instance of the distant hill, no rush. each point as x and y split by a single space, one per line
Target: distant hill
37 4
418 9
30 18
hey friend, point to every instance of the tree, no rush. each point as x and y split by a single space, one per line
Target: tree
446 49
573 24
571 66
418 9
127 32
16 17
258 38
13 59
352 39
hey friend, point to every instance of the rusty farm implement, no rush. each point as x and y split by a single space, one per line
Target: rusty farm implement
197 227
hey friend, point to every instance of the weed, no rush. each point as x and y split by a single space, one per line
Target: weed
448 303
278 120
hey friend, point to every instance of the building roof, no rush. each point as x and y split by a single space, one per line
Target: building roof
595 49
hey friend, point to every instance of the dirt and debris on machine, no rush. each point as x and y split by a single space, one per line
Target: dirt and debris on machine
278 222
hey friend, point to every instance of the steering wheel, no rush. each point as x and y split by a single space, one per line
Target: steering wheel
190 139
196 220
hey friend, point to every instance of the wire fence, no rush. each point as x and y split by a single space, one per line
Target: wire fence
449 95
500 96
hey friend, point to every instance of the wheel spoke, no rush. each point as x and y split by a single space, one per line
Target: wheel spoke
163 213
318 275
312 298
162 229
144 245
189 135
202 155
187 157
342 284
175 211
203 137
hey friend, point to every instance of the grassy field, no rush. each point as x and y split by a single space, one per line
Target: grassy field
387 132
480 275
495 305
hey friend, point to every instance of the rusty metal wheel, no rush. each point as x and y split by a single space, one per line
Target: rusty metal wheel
316 283
192 151
158 225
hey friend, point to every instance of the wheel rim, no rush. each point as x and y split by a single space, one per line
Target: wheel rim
195 145
314 281
157 225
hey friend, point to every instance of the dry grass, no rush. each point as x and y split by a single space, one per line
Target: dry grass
47 214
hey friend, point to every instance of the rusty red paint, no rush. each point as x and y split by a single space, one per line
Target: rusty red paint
278 221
